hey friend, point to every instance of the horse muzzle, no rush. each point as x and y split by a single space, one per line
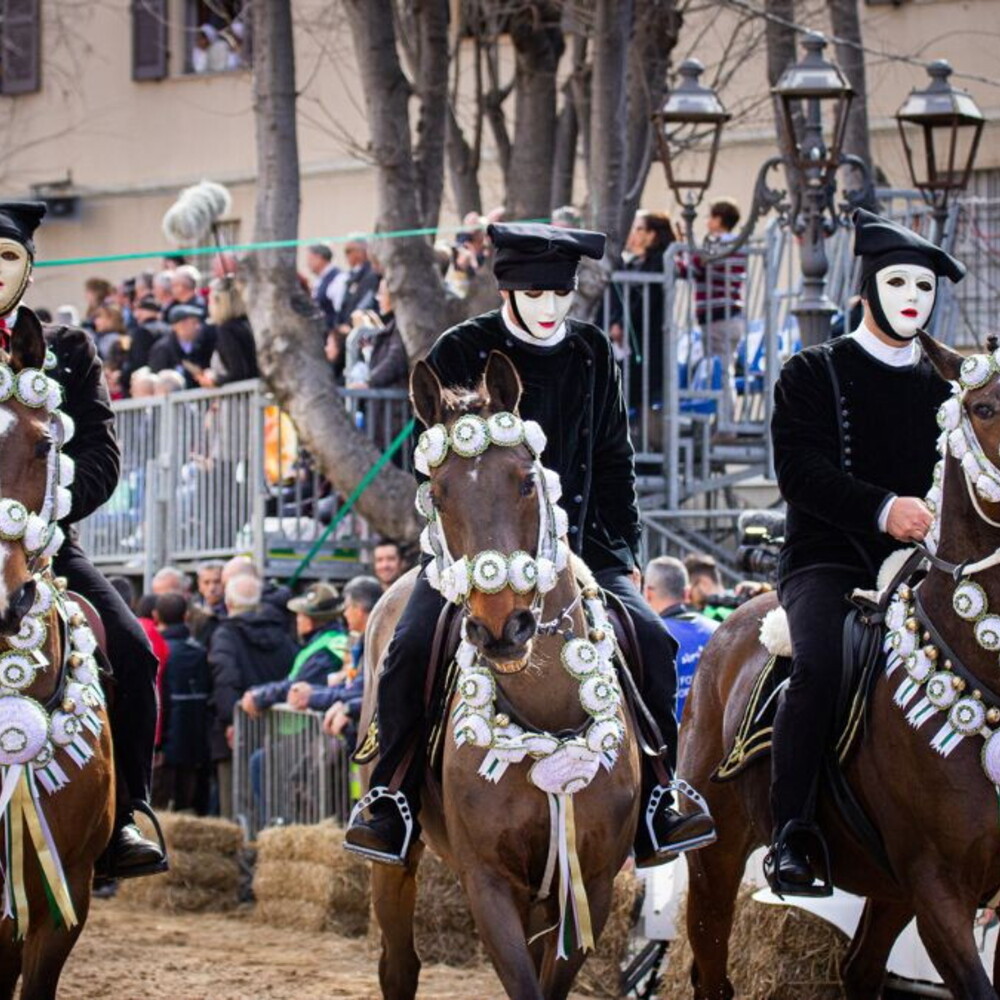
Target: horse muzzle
509 652
17 607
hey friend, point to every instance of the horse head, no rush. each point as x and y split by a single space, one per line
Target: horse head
30 436
493 526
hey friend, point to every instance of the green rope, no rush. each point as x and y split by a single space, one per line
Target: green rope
397 234
366 481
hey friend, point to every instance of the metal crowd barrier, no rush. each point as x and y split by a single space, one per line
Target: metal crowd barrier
287 770
208 473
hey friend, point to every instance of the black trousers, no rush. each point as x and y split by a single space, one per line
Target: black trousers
816 604
133 710
401 693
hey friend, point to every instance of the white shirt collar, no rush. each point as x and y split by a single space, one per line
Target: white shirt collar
895 357
515 330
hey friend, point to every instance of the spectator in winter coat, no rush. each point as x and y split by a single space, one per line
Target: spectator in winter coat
186 689
324 647
148 329
251 646
235 355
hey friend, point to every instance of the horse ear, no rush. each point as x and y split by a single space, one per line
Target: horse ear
503 384
425 394
946 361
27 342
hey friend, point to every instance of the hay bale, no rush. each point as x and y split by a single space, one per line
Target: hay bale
204 870
601 972
775 953
304 878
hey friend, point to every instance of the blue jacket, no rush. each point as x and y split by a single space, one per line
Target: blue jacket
187 683
311 668
692 632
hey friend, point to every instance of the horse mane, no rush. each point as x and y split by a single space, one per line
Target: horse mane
458 400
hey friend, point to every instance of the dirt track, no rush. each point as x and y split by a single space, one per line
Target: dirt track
135 954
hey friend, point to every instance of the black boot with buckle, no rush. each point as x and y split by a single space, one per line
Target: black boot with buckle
130 854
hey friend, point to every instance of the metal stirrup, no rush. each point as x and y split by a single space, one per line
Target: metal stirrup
372 796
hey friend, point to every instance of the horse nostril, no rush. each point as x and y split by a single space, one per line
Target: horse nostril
520 627
477 633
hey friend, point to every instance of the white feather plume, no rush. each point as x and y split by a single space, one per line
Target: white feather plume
774 634
189 220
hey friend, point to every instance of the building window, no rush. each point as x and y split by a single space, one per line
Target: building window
20 46
149 39
217 36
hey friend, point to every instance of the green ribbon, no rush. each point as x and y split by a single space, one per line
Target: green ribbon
366 481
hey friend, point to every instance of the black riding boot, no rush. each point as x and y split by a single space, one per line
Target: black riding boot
663 832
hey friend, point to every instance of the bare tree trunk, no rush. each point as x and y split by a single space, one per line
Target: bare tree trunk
287 327
846 24
408 262
564 153
463 170
654 35
538 41
608 117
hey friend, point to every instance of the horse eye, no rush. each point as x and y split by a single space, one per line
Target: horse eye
983 410
527 486
43 448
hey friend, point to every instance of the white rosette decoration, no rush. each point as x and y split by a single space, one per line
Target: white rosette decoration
949 414
425 502
987 632
989 757
44 756
30 636
477 688
433 575
68 427
13 519
580 658
87 673
66 727
54 396
941 691
904 642
24 730
474 729
470 436
569 769
919 666
548 575
64 501
969 600
32 387
975 371
67 470
967 716
6 383
957 443
54 544
561 519
606 736
78 696
17 671
600 695
454 581
83 639
505 429
540 744
562 556
431 450
522 573
553 485
466 654
37 533
425 540
489 572
534 437
508 745
896 614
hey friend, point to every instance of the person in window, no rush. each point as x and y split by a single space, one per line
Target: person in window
211 51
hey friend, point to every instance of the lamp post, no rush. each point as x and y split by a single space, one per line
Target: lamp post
813 97
940 128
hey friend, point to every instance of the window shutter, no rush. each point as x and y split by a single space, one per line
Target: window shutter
20 58
149 39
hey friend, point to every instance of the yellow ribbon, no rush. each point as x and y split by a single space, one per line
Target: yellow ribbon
585 930
25 805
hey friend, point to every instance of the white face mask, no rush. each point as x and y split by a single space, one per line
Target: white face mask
15 268
542 313
906 293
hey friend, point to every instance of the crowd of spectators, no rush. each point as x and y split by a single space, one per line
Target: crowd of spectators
229 640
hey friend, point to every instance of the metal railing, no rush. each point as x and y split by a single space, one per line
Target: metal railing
209 473
287 770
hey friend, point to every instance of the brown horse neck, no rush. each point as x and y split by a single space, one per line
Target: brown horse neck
544 693
965 537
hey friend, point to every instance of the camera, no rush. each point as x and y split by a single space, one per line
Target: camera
762 533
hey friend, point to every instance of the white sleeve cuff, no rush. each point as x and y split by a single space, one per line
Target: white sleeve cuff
883 514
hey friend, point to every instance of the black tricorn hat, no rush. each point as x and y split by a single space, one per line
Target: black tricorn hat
881 242
535 257
20 219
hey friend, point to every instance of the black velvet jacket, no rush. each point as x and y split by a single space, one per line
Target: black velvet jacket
844 443
94 447
574 391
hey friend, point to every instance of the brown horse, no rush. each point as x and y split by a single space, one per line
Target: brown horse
496 836
79 815
936 815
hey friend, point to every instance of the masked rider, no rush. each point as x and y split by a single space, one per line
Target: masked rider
855 444
94 450
572 388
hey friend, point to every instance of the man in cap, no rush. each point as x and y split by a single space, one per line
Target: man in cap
320 626
855 443
94 450
184 349
572 388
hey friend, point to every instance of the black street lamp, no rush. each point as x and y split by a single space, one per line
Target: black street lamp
813 98
940 128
